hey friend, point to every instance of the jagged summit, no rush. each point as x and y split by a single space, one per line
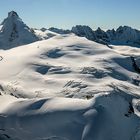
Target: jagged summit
84 31
13 14
14 32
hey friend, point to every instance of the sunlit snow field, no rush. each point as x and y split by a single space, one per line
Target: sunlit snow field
66 87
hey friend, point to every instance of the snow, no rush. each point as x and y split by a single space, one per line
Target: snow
65 87
126 50
70 119
44 34
52 65
35 86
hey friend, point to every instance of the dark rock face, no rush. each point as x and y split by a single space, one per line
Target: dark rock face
13 14
84 31
43 29
14 33
135 66
102 36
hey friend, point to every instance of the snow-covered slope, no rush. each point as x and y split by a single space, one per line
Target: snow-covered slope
40 81
77 66
105 117
44 34
126 50
14 32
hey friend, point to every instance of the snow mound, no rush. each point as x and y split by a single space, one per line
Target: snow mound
106 116
65 66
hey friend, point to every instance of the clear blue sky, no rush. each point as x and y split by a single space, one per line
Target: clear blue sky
66 13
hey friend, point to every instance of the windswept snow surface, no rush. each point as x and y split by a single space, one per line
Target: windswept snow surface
68 88
126 50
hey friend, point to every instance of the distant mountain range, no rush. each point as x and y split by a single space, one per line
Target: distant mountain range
124 35
14 32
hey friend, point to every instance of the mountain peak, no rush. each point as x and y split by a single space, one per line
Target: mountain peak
15 32
13 14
